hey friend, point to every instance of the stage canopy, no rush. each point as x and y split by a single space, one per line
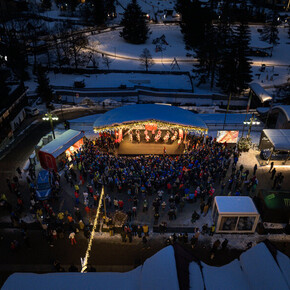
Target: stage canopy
128 116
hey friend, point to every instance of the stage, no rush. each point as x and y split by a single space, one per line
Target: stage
143 148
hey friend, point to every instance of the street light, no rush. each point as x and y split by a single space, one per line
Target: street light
253 121
50 117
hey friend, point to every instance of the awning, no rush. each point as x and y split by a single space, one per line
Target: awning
62 143
280 138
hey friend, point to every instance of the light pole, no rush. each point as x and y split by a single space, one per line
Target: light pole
253 121
49 117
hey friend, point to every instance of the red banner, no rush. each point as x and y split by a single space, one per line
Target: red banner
151 127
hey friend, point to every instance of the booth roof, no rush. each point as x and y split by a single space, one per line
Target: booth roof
235 204
285 109
260 92
280 138
62 142
147 112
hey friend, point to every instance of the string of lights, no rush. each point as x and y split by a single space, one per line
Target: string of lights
143 123
85 261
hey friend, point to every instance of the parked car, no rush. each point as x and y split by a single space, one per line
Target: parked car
30 111
43 186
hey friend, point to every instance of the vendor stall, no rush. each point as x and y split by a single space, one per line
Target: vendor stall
235 214
52 154
275 145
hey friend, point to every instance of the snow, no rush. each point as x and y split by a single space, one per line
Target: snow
217 118
114 44
260 92
132 113
235 204
195 277
115 80
284 264
159 272
63 142
280 138
227 277
71 281
285 109
261 269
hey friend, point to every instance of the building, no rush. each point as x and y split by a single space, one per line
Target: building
12 112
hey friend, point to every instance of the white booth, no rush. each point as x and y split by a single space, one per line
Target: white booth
235 214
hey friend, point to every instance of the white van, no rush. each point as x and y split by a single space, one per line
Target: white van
31 111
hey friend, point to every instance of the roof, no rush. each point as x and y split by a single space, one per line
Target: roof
280 138
255 269
260 92
217 118
62 143
285 109
235 204
158 272
147 112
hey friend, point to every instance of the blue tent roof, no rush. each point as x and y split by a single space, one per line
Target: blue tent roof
147 112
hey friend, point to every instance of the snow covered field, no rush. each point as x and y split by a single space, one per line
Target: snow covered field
112 43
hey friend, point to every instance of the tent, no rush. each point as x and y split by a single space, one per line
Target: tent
128 116
235 214
50 154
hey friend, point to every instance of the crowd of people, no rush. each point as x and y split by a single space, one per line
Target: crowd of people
169 182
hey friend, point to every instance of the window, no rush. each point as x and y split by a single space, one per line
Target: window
228 223
245 223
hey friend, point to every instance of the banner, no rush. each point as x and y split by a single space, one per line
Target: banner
227 136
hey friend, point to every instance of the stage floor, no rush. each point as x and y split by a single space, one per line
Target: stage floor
143 148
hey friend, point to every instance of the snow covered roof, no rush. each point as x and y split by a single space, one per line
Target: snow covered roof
218 277
158 272
62 142
147 112
255 269
261 270
260 92
235 204
280 138
217 118
285 109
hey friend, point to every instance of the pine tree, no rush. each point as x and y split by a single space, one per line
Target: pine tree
270 32
242 40
208 56
135 29
195 18
43 89
99 14
4 89
146 59
46 4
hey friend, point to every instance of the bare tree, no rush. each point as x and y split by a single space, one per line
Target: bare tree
146 59
76 44
107 62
